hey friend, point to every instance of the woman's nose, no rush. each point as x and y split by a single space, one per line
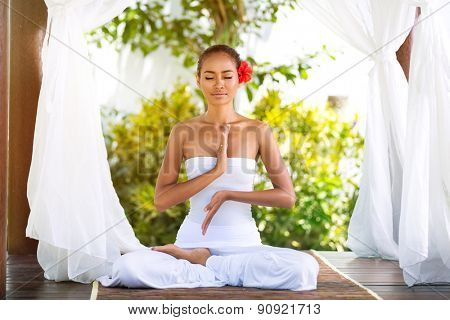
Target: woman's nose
219 83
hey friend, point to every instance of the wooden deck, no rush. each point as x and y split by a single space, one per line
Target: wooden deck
25 280
384 277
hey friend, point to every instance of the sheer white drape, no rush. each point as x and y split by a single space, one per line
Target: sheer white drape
377 28
75 212
81 226
424 253
403 210
138 71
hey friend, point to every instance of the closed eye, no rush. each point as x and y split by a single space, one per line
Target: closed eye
213 78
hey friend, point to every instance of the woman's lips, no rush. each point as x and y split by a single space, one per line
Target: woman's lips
219 94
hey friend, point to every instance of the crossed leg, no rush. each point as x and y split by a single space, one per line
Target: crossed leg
147 268
264 267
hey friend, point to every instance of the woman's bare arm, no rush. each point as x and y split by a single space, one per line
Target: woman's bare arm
168 192
282 195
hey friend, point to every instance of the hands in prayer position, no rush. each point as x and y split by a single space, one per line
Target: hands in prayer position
220 196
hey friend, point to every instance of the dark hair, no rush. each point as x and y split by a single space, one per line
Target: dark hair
218 48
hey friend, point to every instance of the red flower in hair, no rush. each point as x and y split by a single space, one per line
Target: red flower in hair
244 72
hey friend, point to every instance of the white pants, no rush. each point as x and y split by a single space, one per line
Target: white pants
263 266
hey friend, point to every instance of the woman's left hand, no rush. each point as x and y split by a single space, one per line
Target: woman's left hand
216 201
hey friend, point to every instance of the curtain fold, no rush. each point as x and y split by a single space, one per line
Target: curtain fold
424 252
377 28
403 210
75 212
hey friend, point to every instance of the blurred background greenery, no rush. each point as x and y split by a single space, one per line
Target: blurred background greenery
322 150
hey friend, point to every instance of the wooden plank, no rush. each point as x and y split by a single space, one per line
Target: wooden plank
383 277
25 280
377 278
4 67
405 293
365 263
338 255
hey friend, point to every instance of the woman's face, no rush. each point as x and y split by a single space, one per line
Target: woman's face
218 79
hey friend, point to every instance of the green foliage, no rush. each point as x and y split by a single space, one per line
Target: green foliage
266 71
147 26
314 144
136 146
201 23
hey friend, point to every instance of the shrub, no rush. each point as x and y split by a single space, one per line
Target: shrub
136 146
315 145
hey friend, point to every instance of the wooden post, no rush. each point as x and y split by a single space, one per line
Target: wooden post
28 23
404 52
4 63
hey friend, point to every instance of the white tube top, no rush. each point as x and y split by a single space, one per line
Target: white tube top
233 224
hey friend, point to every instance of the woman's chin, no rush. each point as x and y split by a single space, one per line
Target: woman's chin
219 101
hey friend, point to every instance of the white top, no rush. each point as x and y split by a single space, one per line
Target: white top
233 224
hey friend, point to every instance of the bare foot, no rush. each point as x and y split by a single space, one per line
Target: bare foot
196 256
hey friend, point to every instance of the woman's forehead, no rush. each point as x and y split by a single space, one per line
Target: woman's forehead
219 62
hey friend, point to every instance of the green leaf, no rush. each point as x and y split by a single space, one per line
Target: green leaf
303 74
249 93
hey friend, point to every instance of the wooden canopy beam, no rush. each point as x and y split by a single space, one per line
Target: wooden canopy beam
4 64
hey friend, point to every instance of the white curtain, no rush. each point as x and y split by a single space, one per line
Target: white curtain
138 71
75 212
376 28
403 210
424 252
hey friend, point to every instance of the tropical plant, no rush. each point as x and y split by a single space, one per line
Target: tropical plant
136 146
201 23
315 145
323 155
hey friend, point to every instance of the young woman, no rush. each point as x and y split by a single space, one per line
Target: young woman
218 243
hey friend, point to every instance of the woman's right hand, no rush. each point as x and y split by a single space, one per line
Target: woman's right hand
221 164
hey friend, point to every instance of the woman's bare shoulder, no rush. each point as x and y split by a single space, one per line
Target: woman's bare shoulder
260 125
246 122
249 121
190 123
186 128
186 124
